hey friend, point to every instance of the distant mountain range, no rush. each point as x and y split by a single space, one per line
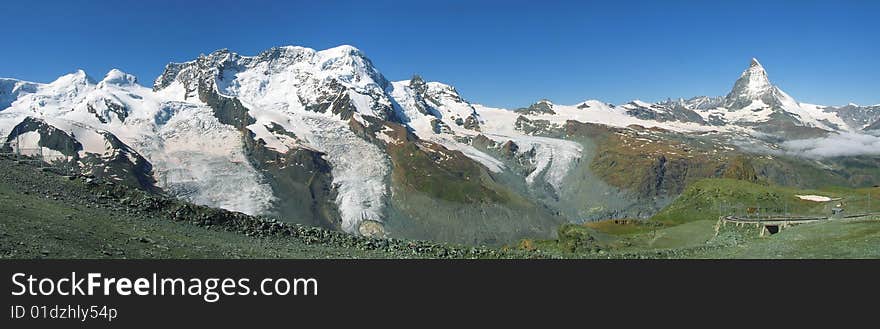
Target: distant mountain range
323 138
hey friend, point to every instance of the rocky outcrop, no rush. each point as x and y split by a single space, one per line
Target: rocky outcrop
301 180
873 126
741 168
62 151
534 126
541 107
662 112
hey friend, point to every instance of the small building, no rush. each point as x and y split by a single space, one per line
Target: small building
837 209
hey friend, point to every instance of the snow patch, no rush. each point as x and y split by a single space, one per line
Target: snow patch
494 165
814 198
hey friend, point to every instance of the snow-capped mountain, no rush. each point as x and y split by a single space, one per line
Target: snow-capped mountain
753 86
12 89
855 116
187 150
298 97
322 137
755 102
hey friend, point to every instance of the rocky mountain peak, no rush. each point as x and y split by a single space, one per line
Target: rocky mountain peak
418 84
345 64
756 63
752 84
753 90
543 106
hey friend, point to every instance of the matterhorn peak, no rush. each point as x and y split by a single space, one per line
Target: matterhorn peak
755 76
753 84
755 63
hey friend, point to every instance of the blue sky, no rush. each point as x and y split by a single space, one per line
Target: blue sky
501 53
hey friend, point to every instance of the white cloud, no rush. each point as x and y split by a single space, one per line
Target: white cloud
847 144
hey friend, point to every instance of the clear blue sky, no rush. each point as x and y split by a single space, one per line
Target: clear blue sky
502 53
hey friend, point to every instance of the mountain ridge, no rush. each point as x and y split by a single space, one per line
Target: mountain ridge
324 138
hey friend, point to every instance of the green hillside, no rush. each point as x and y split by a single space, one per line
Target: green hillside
708 199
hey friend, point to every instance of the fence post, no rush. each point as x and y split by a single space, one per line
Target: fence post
17 143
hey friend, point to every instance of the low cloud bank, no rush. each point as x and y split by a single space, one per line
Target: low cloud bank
846 144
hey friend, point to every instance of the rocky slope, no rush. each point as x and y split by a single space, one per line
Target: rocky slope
56 216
